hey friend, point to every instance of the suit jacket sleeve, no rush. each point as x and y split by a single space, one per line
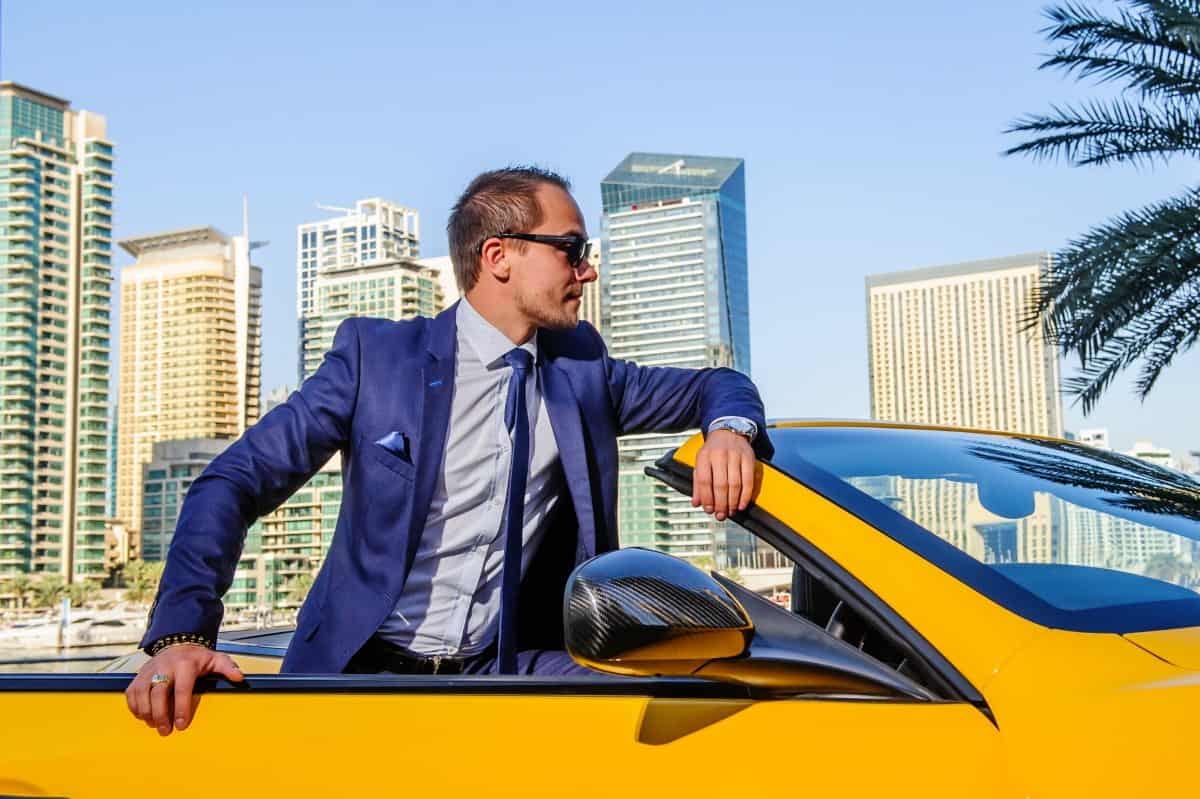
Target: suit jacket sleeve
251 477
663 399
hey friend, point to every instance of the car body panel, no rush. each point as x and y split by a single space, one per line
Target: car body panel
1091 714
1180 646
338 744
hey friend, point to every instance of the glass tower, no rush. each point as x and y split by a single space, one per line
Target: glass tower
56 186
675 293
374 230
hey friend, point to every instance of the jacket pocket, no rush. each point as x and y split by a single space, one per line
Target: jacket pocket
386 458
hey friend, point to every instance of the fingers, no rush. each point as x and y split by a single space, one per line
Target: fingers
747 483
702 481
184 684
723 480
720 484
224 665
137 696
171 704
160 707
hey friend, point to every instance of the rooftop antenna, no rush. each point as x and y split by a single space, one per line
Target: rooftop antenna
675 167
254 245
334 208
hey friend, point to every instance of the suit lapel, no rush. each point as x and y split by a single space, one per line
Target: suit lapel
563 408
436 395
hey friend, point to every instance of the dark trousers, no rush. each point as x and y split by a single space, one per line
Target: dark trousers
377 656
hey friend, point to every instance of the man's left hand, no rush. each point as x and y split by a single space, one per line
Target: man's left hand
723 481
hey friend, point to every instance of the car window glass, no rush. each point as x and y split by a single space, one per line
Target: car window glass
1079 528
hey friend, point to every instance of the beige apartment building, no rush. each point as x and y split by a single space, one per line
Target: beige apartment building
56 188
191 339
445 270
948 345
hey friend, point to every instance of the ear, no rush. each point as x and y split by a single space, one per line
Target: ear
493 260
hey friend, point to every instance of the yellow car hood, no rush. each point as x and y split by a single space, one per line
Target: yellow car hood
1180 647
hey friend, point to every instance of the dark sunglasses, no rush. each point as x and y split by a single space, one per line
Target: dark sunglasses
575 246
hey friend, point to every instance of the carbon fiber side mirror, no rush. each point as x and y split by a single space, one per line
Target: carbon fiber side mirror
641 612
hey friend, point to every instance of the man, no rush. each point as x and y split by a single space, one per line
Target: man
481 438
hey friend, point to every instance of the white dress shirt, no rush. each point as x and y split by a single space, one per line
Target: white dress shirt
450 604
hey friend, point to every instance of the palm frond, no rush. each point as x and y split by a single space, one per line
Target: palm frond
1117 271
1100 133
1156 51
1127 290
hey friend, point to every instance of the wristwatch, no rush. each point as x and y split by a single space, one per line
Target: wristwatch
735 424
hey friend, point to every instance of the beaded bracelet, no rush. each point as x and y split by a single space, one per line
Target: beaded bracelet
177 638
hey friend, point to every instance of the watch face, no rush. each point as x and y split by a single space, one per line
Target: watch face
736 426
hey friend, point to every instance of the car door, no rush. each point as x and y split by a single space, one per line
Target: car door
381 735
71 736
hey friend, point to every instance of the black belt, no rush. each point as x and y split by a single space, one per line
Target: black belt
379 655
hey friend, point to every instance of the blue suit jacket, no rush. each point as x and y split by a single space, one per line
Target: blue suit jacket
382 376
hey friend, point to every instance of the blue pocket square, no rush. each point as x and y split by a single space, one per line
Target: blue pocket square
395 443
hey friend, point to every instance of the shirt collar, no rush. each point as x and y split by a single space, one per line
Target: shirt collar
488 343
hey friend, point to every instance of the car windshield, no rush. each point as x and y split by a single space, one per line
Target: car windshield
1065 534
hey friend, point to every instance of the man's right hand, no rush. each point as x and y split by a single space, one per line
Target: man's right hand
159 703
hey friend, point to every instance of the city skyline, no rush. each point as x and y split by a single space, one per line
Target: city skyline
830 199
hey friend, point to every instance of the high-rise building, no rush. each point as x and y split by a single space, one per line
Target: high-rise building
165 478
675 292
590 307
191 348
949 345
445 270
374 230
110 478
1095 437
275 396
1147 451
56 178
295 538
392 289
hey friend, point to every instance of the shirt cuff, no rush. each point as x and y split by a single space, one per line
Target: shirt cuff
753 425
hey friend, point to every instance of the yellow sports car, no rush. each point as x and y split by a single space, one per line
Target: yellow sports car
968 614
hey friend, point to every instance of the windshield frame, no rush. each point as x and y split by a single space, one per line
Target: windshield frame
975 574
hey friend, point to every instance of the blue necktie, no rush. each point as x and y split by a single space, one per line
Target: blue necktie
516 419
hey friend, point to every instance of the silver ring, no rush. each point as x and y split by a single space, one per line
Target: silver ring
160 679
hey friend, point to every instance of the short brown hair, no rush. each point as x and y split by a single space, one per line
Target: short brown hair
499 201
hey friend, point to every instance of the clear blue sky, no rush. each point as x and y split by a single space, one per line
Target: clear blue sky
871 133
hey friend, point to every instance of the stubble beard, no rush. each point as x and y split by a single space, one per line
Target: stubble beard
546 314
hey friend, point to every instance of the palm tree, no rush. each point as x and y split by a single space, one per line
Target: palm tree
141 580
298 587
83 592
22 586
1127 290
48 590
